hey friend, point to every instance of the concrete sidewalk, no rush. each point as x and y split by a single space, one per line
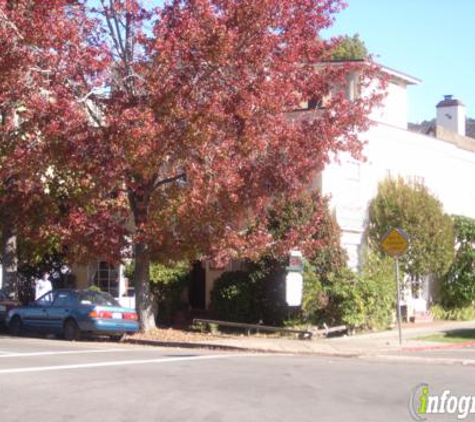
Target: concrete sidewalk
371 344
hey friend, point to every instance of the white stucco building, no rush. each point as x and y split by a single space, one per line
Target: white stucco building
442 159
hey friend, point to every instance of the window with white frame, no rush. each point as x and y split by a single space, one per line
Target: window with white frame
106 277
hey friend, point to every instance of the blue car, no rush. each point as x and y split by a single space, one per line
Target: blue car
5 305
71 313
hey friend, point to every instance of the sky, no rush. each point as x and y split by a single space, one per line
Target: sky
432 40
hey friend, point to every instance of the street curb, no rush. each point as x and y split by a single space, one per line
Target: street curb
192 345
223 347
417 360
450 346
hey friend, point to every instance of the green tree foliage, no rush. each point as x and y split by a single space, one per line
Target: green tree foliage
350 48
411 206
458 288
167 283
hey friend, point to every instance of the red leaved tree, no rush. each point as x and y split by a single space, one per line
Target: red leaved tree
183 125
42 60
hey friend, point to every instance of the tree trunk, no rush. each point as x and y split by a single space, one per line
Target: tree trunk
143 294
9 255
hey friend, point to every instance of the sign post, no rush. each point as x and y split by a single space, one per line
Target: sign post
398 305
395 242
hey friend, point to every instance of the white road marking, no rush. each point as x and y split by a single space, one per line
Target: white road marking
6 353
67 352
119 363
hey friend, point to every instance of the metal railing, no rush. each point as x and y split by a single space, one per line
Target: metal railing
302 334
256 327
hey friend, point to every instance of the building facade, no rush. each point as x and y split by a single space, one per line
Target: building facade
443 159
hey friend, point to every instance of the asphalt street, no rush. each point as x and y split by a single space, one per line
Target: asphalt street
464 355
53 380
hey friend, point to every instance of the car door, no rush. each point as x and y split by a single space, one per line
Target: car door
35 316
59 310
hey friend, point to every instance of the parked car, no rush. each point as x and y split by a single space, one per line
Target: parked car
72 313
5 305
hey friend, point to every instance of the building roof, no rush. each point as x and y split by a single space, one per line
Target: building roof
408 79
427 127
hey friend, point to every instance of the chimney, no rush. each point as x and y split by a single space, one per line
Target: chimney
451 115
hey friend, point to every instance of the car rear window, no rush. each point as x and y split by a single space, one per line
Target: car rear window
97 299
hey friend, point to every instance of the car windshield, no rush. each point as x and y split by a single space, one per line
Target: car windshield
96 299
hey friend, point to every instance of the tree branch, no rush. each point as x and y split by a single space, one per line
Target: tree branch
94 116
167 180
116 20
4 18
118 47
91 93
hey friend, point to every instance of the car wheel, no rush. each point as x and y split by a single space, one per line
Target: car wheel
71 330
16 326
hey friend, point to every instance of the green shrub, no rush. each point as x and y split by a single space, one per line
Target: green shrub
314 297
350 48
232 298
466 313
365 300
253 296
378 273
458 286
413 208
359 301
167 284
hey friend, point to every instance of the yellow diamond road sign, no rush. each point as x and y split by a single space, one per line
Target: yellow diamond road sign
395 242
